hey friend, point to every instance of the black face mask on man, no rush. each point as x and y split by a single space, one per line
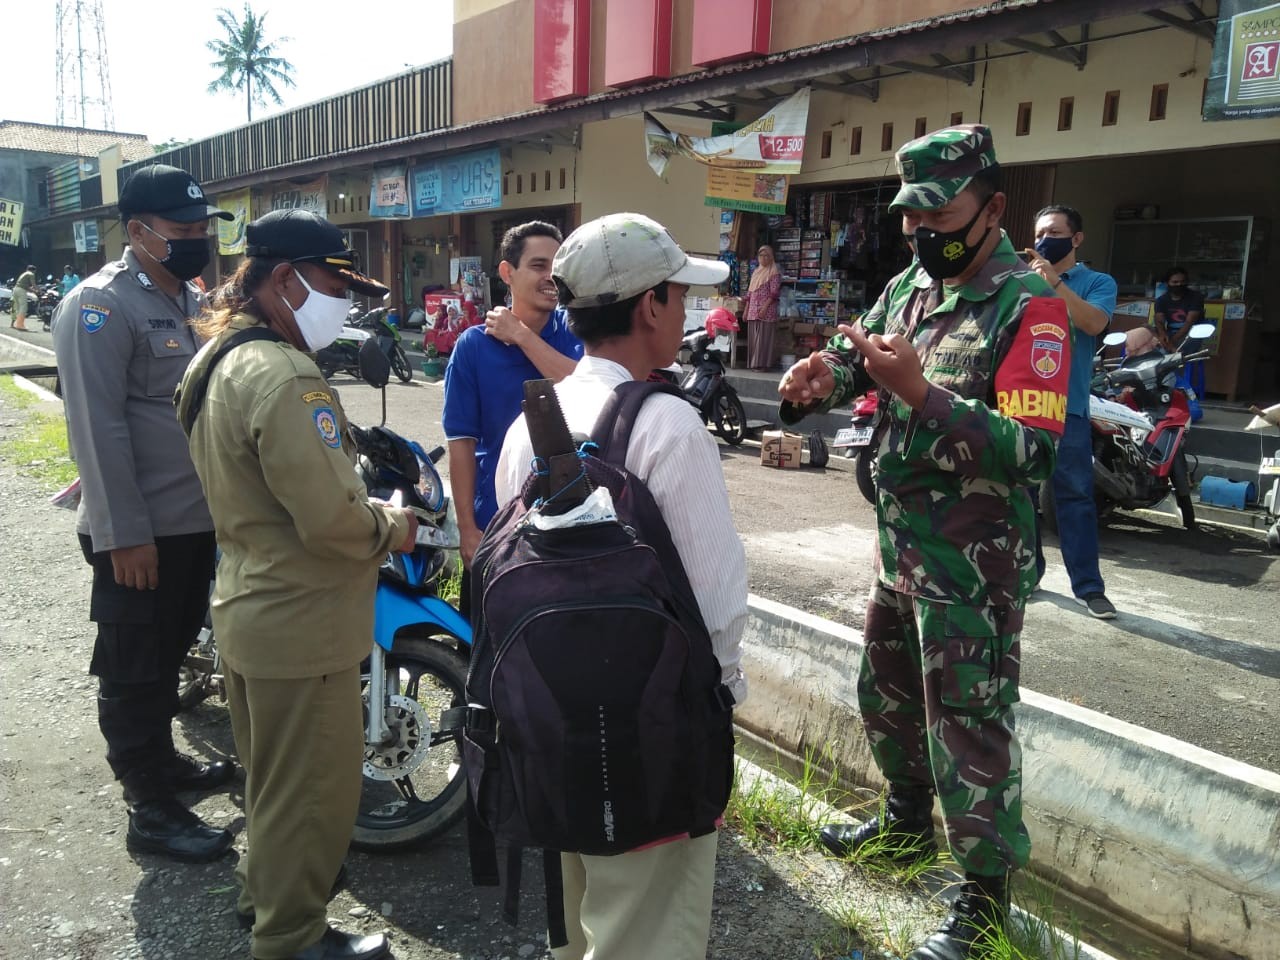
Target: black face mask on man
186 257
947 255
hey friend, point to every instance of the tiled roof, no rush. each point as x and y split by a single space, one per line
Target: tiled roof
71 141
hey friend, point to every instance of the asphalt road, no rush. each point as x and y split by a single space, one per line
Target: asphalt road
1194 653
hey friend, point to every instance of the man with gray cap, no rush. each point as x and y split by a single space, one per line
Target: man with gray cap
123 340
624 279
971 353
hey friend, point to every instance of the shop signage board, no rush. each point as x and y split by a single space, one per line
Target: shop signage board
308 195
772 144
461 184
1244 79
231 232
86 235
389 191
10 222
746 190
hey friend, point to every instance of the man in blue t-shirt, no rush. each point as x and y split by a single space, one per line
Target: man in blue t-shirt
484 382
1091 300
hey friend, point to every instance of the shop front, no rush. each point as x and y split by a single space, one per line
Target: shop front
1209 214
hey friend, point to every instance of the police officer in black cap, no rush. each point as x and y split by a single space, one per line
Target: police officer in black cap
123 340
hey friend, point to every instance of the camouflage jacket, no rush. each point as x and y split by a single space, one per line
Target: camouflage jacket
956 523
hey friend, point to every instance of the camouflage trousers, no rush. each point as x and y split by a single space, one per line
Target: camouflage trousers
936 688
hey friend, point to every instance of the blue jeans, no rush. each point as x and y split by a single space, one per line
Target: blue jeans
1077 513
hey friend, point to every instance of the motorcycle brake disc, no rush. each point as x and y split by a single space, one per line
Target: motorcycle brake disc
410 729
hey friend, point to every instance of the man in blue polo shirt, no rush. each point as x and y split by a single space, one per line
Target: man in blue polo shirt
484 382
1091 300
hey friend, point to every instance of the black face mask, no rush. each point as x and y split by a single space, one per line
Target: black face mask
946 255
187 256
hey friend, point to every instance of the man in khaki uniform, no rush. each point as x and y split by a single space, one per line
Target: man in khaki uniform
301 546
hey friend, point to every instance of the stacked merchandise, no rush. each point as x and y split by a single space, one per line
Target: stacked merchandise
811 244
786 251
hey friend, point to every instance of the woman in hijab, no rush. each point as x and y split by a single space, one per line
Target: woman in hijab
762 310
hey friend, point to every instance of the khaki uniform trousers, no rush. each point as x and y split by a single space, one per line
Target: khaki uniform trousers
651 904
301 744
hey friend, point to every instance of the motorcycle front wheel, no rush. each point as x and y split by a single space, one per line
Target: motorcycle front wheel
865 471
729 416
400 364
413 787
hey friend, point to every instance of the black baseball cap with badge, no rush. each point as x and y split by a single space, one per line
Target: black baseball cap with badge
167 192
300 236
937 167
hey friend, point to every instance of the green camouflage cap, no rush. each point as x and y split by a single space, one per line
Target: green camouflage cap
936 167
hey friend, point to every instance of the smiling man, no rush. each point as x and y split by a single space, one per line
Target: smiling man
484 382
971 350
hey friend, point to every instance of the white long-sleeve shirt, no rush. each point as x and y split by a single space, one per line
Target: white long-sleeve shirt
671 451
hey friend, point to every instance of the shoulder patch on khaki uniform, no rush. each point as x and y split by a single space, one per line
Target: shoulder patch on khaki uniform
316 396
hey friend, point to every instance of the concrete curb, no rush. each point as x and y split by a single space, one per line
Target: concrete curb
1180 842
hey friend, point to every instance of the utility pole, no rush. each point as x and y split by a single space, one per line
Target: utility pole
84 82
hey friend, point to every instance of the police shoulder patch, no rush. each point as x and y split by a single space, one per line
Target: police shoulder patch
93 318
327 426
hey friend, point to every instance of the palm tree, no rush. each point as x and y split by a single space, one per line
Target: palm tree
248 60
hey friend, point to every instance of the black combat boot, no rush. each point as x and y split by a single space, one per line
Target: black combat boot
158 823
977 916
186 773
903 833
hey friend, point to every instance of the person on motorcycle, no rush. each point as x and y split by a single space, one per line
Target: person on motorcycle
973 352
301 545
123 339
69 280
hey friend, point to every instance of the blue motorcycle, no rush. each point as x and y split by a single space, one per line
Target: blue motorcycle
413 786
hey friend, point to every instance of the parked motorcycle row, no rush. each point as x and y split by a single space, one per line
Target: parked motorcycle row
378 325
47 298
1139 417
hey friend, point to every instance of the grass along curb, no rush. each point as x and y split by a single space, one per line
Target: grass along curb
38 444
772 808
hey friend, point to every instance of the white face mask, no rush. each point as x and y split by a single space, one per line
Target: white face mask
321 317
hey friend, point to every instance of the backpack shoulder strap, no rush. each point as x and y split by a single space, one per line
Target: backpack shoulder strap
612 431
200 387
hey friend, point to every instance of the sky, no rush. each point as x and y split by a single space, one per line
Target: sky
160 69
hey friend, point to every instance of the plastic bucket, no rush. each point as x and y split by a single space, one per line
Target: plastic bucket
1233 494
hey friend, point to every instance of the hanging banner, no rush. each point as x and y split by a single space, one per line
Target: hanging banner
86 235
460 184
389 192
310 195
1244 77
231 232
10 222
772 144
746 190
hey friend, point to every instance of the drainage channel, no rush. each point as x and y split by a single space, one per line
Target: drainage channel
1105 932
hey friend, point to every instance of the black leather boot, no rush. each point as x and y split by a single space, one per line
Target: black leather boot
977 915
166 827
903 833
336 945
187 773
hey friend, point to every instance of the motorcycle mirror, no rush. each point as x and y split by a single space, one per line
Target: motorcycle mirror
1113 339
1202 331
375 368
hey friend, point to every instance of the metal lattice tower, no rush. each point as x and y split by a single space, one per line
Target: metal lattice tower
84 83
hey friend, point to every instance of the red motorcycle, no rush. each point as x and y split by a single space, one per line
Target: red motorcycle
858 440
1139 442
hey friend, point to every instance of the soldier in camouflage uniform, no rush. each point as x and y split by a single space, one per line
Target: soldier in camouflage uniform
972 354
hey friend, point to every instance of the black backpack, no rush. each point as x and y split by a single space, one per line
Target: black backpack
596 720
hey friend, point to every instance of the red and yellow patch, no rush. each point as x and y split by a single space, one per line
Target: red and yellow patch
1032 382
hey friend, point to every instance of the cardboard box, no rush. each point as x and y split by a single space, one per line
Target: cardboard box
801 329
780 449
